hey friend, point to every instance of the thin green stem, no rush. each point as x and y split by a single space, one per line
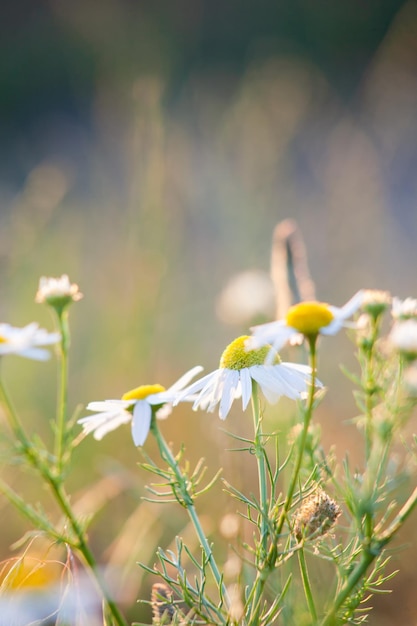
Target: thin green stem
307 419
306 584
188 503
62 408
53 481
261 565
355 576
255 596
260 458
85 551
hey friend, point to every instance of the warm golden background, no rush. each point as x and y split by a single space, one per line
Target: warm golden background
148 149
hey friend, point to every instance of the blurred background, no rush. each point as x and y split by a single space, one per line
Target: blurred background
148 149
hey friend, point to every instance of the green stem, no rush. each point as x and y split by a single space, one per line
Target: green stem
260 458
306 584
367 557
84 549
307 419
269 563
54 482
62 409
261 564
353 579
369 387
188 503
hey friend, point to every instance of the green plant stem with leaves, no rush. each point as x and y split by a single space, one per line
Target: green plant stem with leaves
187 501
308 414
62 409
267 564
39 460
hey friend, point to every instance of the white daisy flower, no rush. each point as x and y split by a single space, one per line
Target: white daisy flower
26 341
137 407
404 309
57 291
239 368
307 319
403 337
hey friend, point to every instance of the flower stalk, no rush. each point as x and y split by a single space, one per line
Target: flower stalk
188 502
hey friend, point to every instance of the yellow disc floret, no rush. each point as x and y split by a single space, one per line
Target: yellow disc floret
3 339
309 317
236 356
142 392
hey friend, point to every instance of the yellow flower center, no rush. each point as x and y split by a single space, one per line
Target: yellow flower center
3 339
309 317
142 392
236 357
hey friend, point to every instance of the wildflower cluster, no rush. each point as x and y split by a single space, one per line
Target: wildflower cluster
301 491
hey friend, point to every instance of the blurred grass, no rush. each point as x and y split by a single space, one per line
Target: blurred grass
168 193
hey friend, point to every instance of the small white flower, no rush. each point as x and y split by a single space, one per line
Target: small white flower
403 337
57 290
238 368
404 309
136 406
26 341
307 319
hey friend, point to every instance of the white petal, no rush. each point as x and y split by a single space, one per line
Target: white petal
34 353
231 382
274 333
141 423
194 388
185 379
109 405
246 386
217 388
164 412
341 314
103 423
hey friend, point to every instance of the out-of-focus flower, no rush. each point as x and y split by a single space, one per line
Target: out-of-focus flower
26 341
307 319
136 406
247 298
403 337
57 292
239 368
404 309
375 302
315 516
35 590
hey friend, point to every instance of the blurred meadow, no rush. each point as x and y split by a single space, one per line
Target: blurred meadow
149 149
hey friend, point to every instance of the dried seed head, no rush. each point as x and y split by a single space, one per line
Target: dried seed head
162 605
316 515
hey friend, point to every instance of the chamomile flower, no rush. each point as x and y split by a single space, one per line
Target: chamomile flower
57 292
403 337
239 368
307 319
404 309
136 406
26 341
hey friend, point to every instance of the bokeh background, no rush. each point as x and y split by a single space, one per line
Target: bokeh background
148 149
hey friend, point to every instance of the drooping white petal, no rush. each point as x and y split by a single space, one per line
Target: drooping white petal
185 379
107 405
217 388
341 314
246 386
194 388
103 423
271 386
230 385
275 334
141 422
